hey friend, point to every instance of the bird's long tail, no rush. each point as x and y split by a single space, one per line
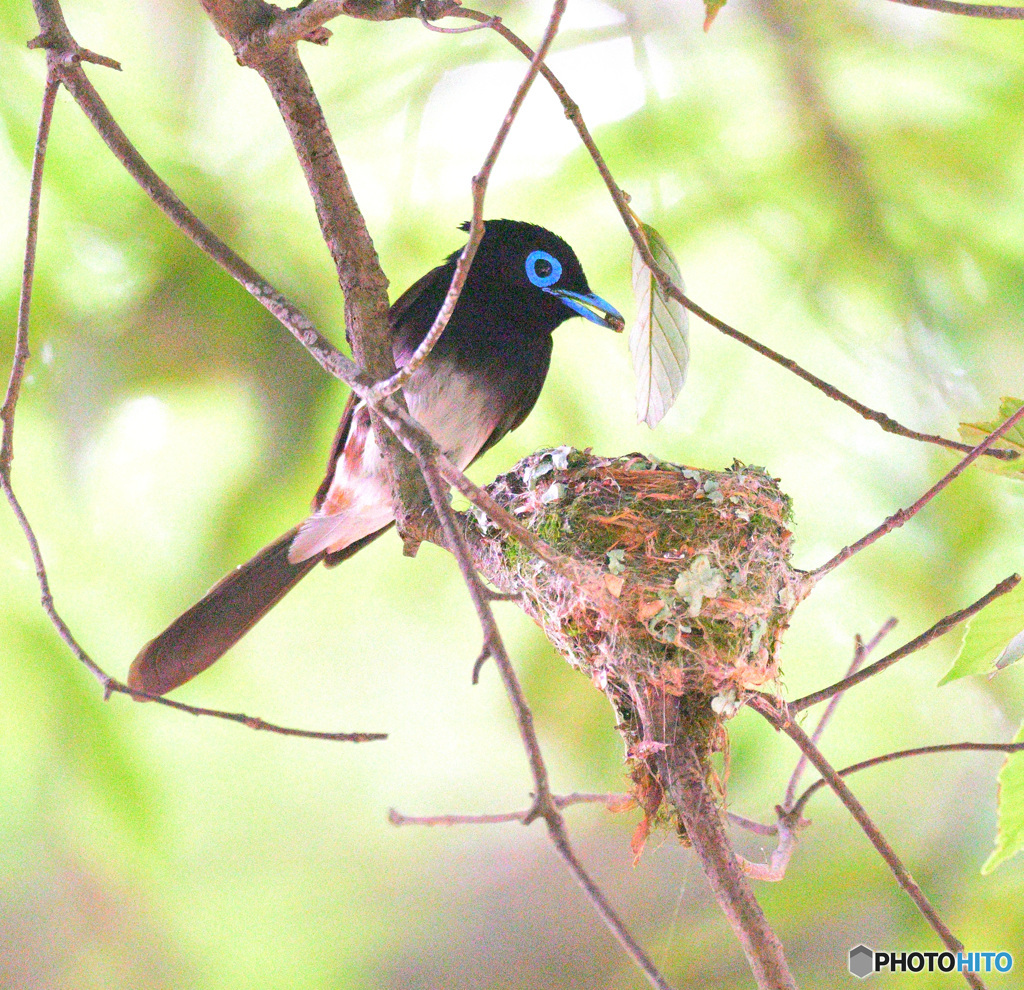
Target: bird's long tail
214 624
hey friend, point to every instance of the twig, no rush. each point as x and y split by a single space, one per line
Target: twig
585 579
476 227
775 869
483 25
21 348
897 519
966 9
783 720
572 112
861 652
941 627
396 817
902 754
613 802
758 828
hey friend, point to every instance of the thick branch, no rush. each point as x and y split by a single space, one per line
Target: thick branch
677 729
360 276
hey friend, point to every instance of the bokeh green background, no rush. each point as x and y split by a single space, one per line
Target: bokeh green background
843 180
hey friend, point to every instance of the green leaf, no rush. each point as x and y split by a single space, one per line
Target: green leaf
659 340
974 433
1010 831
991 638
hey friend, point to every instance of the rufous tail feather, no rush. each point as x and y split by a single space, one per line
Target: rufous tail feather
200 636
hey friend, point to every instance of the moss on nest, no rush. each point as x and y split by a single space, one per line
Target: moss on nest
697 560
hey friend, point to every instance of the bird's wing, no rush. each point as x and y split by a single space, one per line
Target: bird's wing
527 387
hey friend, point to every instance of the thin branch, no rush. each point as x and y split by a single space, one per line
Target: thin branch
758 828
63 58
902 754
560 801
940 628
587 580
783 720
612 801
21 348
861 652
897 519
476 227
775 869
113 686
493 643
621 200
483 25
967 9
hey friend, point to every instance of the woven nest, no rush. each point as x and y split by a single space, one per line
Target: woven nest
696 561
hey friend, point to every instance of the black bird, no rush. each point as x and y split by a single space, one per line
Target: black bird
480 381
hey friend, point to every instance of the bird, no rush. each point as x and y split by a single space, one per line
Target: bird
480 381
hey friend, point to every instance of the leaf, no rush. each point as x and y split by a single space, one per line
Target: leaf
659 340
974 433
991 638
555 492
616 561
614 583
1010 831
699 581
711 9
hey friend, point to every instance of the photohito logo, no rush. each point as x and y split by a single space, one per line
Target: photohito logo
864 961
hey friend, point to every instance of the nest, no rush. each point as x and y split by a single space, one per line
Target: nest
696 561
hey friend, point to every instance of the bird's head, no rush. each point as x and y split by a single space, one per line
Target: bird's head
532 263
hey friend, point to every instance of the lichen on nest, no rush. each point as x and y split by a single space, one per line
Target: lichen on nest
697 561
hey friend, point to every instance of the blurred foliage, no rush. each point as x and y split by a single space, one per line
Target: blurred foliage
842 180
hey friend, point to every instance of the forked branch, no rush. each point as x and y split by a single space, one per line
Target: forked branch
782 719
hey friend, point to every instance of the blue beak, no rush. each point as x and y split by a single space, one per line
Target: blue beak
594 308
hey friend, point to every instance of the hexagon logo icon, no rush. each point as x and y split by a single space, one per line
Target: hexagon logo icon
862 962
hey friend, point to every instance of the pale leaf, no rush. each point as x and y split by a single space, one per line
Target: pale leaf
659 340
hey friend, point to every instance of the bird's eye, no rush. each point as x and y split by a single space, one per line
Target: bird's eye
543 269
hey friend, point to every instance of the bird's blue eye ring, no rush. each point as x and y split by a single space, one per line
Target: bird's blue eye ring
543 269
